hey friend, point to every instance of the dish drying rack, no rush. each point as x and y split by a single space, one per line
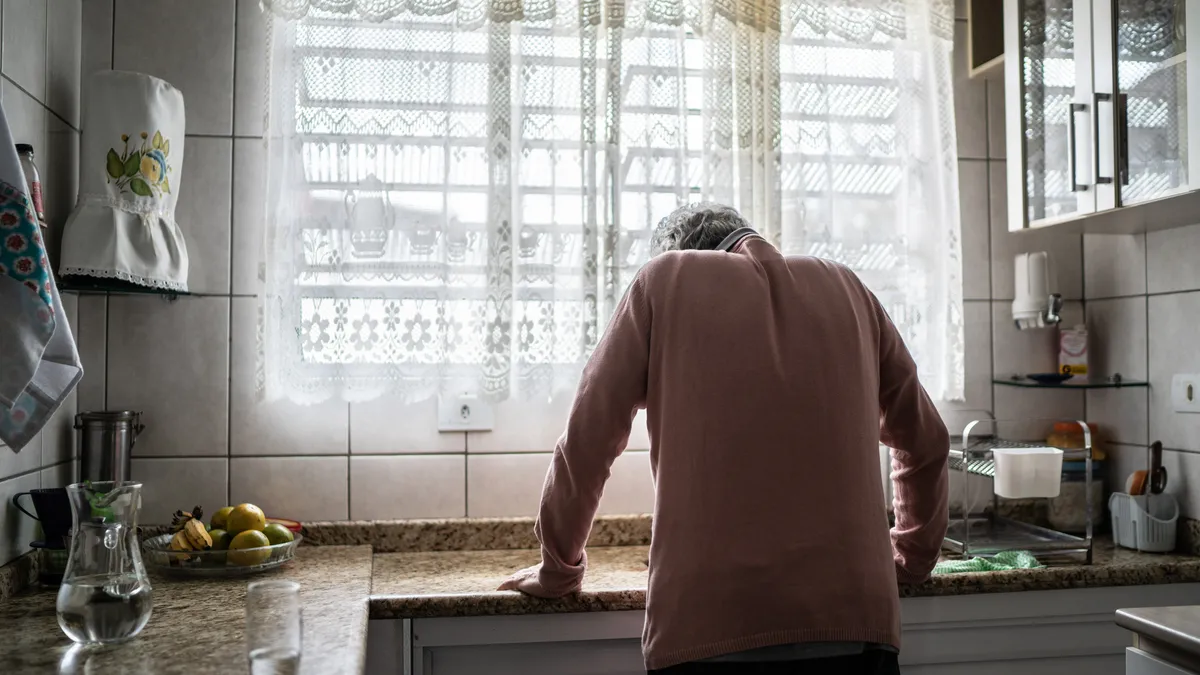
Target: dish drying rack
986 533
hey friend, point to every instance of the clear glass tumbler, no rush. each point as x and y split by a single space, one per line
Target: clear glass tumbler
273 627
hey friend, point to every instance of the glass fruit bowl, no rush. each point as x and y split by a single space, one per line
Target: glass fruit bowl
213 563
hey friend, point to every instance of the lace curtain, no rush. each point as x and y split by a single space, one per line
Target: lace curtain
459 191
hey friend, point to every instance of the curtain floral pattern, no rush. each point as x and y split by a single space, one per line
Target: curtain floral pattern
459 191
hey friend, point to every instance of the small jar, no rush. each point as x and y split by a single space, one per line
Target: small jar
1068 511
33 180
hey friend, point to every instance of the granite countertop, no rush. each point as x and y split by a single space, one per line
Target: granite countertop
1178 627
197 626
463 583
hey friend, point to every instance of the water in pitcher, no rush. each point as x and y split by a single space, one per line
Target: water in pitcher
103 608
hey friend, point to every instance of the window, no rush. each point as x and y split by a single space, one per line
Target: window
457 200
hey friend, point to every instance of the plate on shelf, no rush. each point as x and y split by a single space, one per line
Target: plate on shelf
212 563
1049 378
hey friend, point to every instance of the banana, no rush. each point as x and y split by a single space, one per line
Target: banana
179 542
197 536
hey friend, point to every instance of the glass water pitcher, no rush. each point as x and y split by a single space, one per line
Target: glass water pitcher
105 594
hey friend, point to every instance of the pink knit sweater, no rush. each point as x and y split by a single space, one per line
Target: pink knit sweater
769 383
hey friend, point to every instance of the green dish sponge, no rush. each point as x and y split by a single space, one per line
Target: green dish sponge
1004 560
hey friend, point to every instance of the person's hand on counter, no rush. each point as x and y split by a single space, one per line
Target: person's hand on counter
526 581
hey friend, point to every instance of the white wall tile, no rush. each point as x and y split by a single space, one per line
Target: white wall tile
24 45
1066 250
196 57
1121 414
300 488
960 10
1171 260
630 486
203 212
16 528
505 485
976 235
995 122
970 101
1114 265
1117 337
59 165
58 436
387 426
97 36
1174 348
258 427
170 360
59 475
64 58
28 459
413 486
250 74
1029 414
1019 352
977 335
171 484
249 214
93 347
26 117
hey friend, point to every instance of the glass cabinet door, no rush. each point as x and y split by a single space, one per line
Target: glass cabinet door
1053 110
1151 111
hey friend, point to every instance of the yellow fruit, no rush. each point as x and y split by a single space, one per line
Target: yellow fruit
245 517
220 539
278 534
246 548
218 518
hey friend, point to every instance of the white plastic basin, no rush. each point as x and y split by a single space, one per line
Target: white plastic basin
1023 473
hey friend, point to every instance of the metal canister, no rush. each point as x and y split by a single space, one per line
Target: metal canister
106 443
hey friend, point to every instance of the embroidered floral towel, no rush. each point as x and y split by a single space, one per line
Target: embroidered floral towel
39 364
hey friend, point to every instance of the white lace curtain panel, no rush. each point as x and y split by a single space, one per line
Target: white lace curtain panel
459 191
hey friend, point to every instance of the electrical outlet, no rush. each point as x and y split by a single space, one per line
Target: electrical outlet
464 412
1185 393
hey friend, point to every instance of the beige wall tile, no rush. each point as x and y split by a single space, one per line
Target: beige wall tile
170 484
170 360
23 53
300 488
205 191
408 486
502 485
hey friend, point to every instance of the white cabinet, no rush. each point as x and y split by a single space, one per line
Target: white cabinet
1102 112
1064 632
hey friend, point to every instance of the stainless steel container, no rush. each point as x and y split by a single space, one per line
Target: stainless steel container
106 442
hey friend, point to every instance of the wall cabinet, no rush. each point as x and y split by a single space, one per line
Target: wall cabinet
1064 632
1102 111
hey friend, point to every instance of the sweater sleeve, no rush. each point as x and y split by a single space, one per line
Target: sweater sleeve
912 427
611 390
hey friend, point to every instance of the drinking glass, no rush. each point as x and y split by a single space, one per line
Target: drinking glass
273 627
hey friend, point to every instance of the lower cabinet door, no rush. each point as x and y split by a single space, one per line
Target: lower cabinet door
1138 662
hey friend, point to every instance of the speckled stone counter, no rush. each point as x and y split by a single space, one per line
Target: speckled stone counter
197 626
463 583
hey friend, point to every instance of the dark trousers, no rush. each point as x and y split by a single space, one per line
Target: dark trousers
870 662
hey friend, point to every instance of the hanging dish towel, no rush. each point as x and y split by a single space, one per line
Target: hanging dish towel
39 365
123 228
1004 560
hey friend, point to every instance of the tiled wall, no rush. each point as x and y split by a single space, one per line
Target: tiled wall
188 364
1143 296
39 89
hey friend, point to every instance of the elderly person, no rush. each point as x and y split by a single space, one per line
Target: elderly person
769 383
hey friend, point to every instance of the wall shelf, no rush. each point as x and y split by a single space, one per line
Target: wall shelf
1113 382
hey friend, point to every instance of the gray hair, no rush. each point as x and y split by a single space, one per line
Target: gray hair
703 226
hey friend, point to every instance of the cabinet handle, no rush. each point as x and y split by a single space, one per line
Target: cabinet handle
1099 98
1076 108
1122 123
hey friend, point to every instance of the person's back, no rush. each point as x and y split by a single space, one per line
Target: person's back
764 378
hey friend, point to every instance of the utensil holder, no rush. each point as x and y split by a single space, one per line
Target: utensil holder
1144 522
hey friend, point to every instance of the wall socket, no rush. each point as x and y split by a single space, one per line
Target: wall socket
465 412
1185 393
